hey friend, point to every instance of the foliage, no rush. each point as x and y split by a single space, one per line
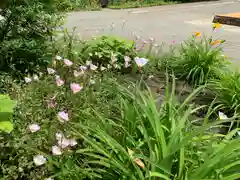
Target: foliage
147 142
68 5
197 60
227 89
6 110
105 49
24 35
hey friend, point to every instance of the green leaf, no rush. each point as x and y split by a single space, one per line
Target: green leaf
6 104
6 126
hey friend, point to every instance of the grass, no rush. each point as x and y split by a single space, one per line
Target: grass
137 4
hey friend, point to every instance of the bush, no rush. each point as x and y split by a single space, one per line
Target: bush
227 91
197 60
25 37
104 50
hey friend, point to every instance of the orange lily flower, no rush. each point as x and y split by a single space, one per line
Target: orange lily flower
216 42
197 34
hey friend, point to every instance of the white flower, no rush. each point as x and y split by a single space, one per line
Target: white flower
150 76
58 57
222 116
141 61
59 81
127 59
84 68
2 18
238 133
126 64
35 77
113 58
77 73
63 116
59 136
72 142
109 66
93 67
102 68
27 79
92 81
39 160
63 143
50 71
56 150
68 62
88 63
34 127
48 179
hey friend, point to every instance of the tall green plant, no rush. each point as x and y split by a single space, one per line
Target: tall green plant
198 59
151 143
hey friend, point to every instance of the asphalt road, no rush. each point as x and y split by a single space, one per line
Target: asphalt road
164 23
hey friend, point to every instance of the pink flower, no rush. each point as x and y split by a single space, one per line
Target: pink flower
75 87
63 116
174 41
68 62
59 81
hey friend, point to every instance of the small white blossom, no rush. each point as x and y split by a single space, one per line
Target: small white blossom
48 179
39 160
141 61
68 62
2 18
102 68
72 142
34 128
127 59
63 143
93 67
27 79
83 68
77 73
50 71
222 116
58 57
59 136
35 77
63 116
56 150
92 81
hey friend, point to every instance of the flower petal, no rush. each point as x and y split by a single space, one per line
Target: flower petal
39 160
141 61
93 67
58 57
222 116
75 87
59 81
50 71
63 116
63 143
34 128
27 79
56 150
68 62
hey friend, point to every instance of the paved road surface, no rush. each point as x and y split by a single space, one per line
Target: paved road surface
164 23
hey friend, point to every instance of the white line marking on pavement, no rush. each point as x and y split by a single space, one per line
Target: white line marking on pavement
139 12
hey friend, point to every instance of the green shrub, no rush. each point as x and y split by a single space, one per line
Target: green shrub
25 37
104 50
227 91
197 60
